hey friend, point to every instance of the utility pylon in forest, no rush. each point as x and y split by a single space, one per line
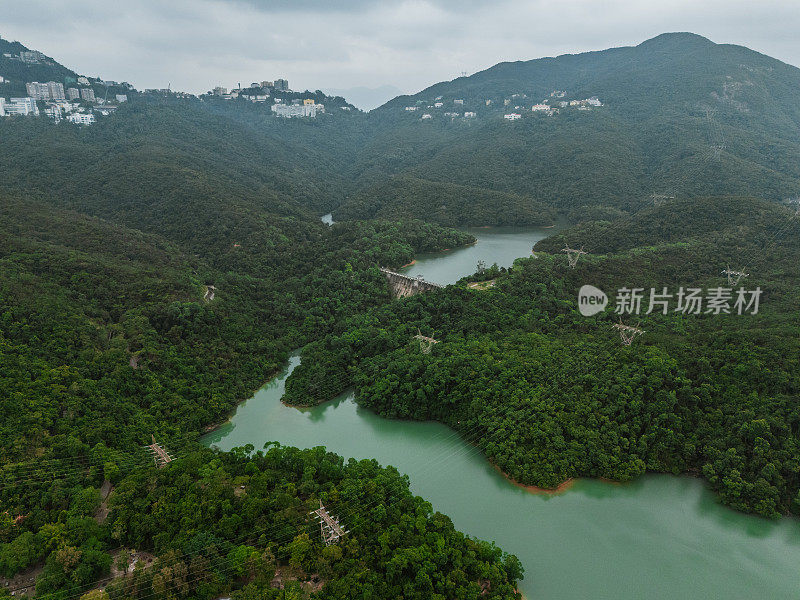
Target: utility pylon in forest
425 343
160 455
329 526
734 276
627 333
717 149
573 255
659 199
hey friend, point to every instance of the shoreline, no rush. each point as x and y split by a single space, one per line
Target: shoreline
535 489
212 427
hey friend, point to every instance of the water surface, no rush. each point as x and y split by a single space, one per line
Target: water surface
660 537
501 245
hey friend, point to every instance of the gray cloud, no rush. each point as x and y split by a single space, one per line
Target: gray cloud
410 44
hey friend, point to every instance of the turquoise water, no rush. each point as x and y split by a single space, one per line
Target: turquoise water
660 537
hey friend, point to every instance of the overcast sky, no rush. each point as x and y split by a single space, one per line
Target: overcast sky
409 44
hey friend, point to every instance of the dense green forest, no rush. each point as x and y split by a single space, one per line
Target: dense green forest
234 521
108 335
549 394
444 203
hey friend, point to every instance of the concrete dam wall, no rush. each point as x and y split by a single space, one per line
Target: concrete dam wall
402 285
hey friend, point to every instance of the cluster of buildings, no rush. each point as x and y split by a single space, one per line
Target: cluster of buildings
263 92
306 108
257 92
31 57
550 109
59 103
515 105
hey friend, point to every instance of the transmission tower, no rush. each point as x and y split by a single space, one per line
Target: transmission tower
481 266
160 456
717 149
573 255
425 343
627 333
734 276
329 526
659 199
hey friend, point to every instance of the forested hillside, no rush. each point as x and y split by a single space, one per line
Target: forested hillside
680 116
109 335
549 394
445 203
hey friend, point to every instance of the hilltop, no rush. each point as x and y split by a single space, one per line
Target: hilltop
675 115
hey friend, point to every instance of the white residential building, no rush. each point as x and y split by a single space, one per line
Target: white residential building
87 94
56 90
32 56
122 97
289 111
512 116
81 118
411 108
54 112
73 93
459 101
45 91
438 104
540 107
469 114
594 101
2 107
427 116
83 80
21 106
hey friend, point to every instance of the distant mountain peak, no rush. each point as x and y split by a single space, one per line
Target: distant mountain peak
678 39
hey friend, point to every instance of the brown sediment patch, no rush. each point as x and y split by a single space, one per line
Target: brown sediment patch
413 262
533 489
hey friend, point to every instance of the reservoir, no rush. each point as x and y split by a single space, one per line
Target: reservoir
660 537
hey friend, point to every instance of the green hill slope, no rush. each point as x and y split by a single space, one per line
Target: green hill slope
444 203
681 116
